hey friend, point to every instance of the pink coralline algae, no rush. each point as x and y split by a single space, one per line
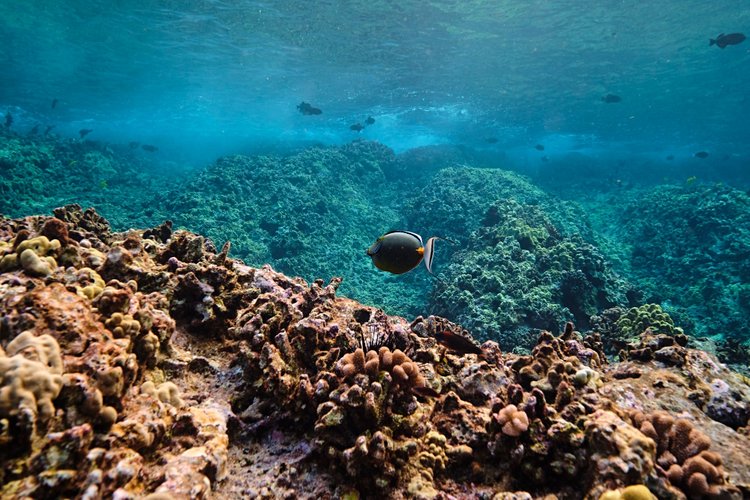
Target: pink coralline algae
150 364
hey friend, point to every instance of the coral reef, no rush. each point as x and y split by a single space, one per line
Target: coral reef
151 364
308 229
41 172
688 249
519 272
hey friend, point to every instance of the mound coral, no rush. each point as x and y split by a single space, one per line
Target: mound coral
30 379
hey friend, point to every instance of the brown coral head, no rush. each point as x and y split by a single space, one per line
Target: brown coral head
399 357
55 229
515 394
569 330
21 236
358 359
698 485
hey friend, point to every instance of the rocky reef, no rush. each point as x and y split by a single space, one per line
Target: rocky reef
687 248
152 364
40 172
519 272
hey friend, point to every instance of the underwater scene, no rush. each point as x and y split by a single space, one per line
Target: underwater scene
490 249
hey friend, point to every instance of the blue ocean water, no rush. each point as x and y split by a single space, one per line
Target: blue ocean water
201 79
624 107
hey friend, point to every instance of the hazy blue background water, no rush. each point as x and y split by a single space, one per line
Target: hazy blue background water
205 78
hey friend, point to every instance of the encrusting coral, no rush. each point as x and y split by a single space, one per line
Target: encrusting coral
151 364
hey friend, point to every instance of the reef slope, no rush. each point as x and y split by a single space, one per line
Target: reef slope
151 364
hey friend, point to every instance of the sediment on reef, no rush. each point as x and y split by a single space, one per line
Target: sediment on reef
151 363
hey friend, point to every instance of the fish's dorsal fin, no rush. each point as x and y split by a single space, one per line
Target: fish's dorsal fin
415 235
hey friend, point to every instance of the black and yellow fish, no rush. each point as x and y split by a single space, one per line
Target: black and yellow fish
401 251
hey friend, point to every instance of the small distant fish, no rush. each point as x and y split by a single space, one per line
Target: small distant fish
545 159
48 129
8 119
370 120
34 130
54 103
723 40
357 127
491 140
85 131
307 109
539 147
149 148
670 157
398 252
610 98
134 144
701 154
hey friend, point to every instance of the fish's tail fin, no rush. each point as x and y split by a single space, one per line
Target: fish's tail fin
711 41
429 251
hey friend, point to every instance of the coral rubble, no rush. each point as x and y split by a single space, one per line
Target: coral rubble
151 364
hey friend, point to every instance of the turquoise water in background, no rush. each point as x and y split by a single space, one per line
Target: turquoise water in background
614 210
202 79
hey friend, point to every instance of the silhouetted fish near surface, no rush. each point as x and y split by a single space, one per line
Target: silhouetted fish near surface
8 119
357 127
48 129
307 109
54 103
370 120
85 131
398 252
545 159
491 140
723 40
539 147
149 148
701 154
610 98
670 157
